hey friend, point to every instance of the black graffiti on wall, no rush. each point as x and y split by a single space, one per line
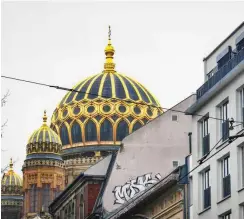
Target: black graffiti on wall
134 186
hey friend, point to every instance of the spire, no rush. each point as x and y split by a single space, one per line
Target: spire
11 164
44 117
109 65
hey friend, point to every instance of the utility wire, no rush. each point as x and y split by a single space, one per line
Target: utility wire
107 97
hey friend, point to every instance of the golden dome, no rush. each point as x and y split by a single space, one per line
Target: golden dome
104 108
11 182
43 141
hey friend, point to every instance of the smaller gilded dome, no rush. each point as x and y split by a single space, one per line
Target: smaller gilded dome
11 182
44 141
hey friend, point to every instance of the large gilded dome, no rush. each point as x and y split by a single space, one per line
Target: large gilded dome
103 108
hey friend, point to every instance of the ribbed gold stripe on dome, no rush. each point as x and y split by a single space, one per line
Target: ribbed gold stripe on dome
101 84
113 85
32 136
133 85
15 181
10 179
37 138
90 85
124 85
44 135
157 103
81 86
146 92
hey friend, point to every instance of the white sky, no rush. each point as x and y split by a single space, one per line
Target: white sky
160 44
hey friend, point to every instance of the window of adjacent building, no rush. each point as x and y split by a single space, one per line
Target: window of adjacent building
205 137
46 196
174 118
240 154
33 198
190 189
226 216
226 190
242 105
224 123
206 189
82 207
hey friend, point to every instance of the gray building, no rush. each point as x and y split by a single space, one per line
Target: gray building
217 184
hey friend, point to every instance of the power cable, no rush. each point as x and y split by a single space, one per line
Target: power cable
103 96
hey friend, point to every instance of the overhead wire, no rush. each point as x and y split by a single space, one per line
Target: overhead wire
106 97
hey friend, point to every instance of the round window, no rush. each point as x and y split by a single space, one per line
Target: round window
106 108
122 109
149 112
76 110
65 112
137 110
90 109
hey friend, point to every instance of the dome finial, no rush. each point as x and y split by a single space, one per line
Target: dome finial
45 117
109 65
11 164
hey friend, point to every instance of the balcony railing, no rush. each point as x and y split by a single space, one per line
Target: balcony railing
221 73
205 144
226 186
207 197
225 130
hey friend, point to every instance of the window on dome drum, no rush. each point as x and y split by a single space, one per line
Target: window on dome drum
33 198
106 131
46 196
122 130
76 133
91 131
137 110
136 126
64 135
122 109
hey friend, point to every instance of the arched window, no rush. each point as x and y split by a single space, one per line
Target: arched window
82 207
46 198
76 133
91 131
122 130
136 126
106 131
33 198
64 135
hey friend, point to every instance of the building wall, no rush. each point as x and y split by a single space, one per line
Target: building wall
83 200
218 205
151 150
169 205
39 175
210 62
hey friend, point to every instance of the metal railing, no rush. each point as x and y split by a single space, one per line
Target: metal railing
206 144
221 73
207 198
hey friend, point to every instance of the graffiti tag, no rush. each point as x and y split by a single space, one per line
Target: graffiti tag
134 186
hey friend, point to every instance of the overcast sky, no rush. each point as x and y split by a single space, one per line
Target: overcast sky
160 44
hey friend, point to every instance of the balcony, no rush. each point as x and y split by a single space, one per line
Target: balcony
221 73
